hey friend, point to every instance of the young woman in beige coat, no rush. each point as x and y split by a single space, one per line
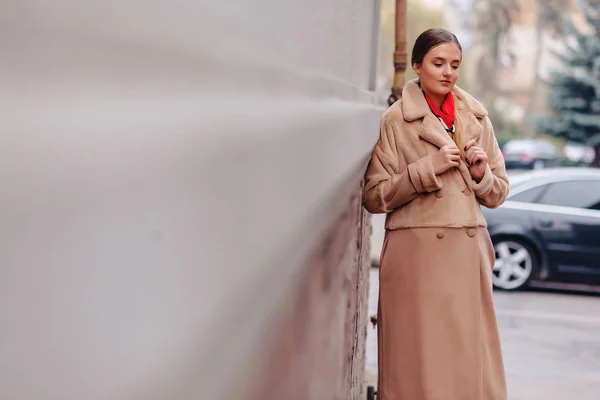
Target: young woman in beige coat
436 162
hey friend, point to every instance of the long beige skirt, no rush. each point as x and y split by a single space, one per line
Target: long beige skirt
437 330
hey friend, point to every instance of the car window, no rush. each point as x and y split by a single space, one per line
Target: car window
579 194
529 195
520 178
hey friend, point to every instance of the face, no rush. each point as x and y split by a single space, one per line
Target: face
439 71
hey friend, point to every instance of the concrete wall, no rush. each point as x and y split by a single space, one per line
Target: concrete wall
180 195
316 349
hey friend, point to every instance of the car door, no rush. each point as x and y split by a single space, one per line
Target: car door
567 217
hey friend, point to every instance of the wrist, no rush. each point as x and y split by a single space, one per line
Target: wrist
478 175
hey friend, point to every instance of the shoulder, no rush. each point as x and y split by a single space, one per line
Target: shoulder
391 124
468 102
393 115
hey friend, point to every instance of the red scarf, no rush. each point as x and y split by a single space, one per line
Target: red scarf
447 111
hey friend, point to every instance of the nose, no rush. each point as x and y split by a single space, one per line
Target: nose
447 71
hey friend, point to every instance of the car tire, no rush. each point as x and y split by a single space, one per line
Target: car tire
516 263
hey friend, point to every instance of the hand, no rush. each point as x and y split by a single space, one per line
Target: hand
476 159
447 157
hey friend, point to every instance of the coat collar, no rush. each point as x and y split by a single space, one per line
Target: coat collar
414 105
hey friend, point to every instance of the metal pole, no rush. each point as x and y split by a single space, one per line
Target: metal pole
399 68
400 53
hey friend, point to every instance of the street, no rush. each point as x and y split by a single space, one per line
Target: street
550 341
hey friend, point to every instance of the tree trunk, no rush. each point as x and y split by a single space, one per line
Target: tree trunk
527 125
492 91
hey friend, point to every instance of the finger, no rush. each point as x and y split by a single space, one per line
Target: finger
476 150
451 149
479 157
480 152
472 150
471 160
483 156
470 143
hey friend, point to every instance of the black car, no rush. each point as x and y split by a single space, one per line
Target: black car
530 154
548 229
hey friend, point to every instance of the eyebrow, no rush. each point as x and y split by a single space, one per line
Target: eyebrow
443 59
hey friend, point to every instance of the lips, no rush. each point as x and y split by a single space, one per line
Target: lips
446 82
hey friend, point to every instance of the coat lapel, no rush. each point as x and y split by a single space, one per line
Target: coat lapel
473 130
415 107
471 126
432 131
466 175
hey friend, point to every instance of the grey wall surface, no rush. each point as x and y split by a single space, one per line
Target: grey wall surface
162 165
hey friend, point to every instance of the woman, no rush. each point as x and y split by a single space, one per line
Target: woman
437 160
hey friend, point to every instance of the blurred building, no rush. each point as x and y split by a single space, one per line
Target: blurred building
457 19
525 53
181 209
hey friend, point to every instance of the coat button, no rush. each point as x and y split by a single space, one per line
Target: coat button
471 232
439 194
440 234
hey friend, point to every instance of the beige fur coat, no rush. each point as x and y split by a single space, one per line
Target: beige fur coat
400 179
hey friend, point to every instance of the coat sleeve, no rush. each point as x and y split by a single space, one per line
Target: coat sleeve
389 181
493 188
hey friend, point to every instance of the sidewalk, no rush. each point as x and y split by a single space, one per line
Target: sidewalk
371 362
378 223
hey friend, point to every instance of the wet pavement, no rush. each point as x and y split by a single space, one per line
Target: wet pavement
550 341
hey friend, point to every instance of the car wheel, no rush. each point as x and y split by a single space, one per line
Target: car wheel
515 264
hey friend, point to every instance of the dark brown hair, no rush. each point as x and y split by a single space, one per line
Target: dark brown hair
425 42
428 40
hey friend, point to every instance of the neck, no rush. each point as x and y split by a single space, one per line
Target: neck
436 99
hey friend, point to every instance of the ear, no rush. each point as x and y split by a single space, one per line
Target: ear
417 68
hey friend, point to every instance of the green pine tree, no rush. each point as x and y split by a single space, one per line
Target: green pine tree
574 90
